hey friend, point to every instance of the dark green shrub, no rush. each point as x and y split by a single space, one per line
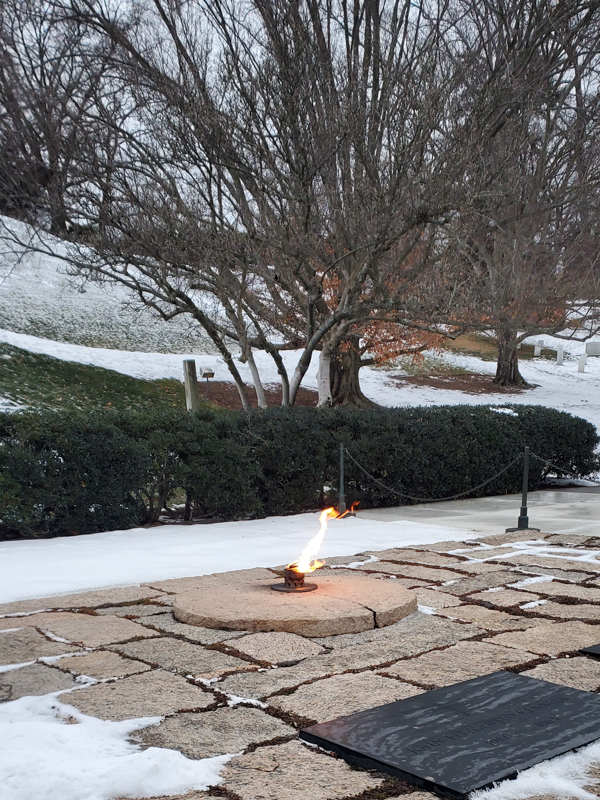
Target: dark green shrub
63 473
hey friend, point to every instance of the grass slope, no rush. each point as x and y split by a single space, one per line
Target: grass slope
41 381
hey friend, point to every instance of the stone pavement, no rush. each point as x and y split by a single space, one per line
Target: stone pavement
483 606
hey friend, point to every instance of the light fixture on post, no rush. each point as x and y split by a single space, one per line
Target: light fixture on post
206 373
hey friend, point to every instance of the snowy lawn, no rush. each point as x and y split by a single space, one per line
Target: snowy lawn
51 751
41 568
560 387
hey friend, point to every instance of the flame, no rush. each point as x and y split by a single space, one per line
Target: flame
350 510
307 561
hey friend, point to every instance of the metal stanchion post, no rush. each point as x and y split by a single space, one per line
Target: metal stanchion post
342 497
523 521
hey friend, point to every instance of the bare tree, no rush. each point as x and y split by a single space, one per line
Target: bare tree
49 70
523 255
286 159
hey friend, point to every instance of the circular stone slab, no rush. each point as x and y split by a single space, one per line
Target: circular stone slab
340 604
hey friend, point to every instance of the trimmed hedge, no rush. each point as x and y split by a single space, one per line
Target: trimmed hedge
63 474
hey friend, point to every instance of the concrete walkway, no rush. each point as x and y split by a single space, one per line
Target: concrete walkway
561 511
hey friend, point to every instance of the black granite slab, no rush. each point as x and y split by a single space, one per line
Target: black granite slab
464 737
594 650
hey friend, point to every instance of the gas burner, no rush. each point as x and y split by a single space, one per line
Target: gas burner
294 583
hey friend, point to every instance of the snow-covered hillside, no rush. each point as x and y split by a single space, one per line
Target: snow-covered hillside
43 311
560 387
38 296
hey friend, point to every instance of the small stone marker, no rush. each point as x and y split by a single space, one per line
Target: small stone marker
592 348
538 348
581 363
192 399
560 354
465 737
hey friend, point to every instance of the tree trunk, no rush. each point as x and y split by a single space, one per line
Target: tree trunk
261 400
507 369
345 383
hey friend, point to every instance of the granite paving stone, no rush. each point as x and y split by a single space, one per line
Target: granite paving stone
33 680
574 591
514 536
254 607
193 795
416 796
506 598
448 547
479 568
493 552
166 623
92 599
278 648
550 562
102 664
182 657
431 574
340 604
27 644
213 733
579 673
570 540
570 611
561 574
150 694
416 634
177 585
489 580
461 662
552 638
422 631
341 695
433 599
284 772
407 554
488 619
133 611
88 630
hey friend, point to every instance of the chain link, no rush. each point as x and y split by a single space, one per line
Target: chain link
432 499
560 469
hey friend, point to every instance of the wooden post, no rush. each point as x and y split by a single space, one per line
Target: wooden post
192 399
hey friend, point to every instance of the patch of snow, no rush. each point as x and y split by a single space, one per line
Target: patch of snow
529 581
533 604
564 776
54 637
354 564
233 700
427 610
11 667
44 567
508 411
89 759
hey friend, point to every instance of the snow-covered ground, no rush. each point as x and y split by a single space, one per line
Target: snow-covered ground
44 567
88 759
560 387
38 296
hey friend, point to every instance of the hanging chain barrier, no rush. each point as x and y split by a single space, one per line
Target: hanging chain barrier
564 471
432 499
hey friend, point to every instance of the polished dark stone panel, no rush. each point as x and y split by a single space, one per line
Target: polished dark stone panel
594 650
464 737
